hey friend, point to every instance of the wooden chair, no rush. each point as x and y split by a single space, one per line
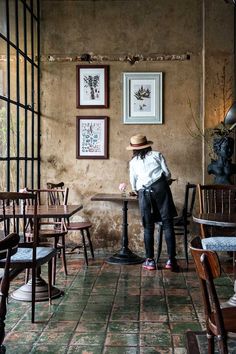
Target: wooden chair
53 230
8 247
13 206
82 227
182 221
216 198
219 321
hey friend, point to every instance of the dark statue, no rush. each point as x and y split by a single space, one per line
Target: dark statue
222 167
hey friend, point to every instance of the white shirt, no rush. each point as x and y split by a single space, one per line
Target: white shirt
144 172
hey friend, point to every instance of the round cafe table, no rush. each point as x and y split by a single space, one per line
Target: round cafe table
124 255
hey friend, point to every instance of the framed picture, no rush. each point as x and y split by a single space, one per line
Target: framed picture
142 98
92 86
92 137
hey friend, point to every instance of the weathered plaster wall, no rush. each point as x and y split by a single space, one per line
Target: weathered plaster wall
70 28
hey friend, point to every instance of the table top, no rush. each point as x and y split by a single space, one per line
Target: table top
216 219
114 197
47 211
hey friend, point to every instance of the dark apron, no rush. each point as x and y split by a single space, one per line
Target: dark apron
156 202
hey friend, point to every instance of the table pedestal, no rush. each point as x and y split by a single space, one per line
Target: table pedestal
24 293
125 255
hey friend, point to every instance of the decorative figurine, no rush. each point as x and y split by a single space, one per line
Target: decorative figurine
222 167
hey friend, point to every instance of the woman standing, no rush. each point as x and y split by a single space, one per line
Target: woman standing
150 179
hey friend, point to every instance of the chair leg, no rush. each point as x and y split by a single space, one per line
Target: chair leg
90 242
210 341
50 281
84 245
54 265
33 294
159 241
186 244
64 254
222 345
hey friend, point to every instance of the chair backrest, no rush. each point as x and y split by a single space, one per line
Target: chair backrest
51 196
189 199
208 268
14 214
216 198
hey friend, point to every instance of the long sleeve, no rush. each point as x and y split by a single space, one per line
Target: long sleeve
132 177
164 167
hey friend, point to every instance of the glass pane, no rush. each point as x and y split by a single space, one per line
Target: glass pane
3 67
22 175
21 25
13 175
29 34
22 79
35 8
22 133
35 29
3 23
13 74
3 129
29 84
35 89
29 168
3 175
29 134
13 131
36 135
12 20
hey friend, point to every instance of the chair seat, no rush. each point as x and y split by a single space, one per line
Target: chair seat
24 255
78 225
51 233
219 243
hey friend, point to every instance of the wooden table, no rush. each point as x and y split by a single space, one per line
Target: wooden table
219 220
43 211
124 255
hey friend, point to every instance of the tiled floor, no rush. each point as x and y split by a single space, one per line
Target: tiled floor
113 309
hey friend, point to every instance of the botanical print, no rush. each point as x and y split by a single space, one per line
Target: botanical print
92 86
142 98
91 137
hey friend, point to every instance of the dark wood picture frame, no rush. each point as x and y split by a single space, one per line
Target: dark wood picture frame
92 89
92 136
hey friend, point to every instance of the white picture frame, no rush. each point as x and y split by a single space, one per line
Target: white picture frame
142 98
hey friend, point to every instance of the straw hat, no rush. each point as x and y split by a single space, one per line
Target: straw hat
138 142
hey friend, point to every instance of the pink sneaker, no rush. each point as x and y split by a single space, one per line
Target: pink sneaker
149 264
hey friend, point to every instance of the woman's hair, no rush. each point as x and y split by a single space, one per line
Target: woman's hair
141 153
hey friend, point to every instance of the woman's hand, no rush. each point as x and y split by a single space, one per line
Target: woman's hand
133 194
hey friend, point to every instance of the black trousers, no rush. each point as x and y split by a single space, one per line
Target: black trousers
156 204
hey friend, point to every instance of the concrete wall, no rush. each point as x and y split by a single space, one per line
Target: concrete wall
194 93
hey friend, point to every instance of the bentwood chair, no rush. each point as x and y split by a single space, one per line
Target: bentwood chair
8 247
220 322
182 221
15 211
216 198
53 231
220 199
82 226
